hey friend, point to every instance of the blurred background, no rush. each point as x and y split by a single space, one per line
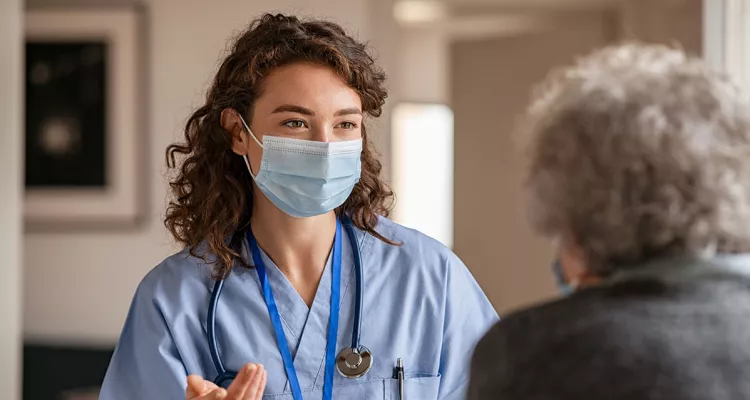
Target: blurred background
91 93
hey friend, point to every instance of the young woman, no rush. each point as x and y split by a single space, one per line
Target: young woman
291 273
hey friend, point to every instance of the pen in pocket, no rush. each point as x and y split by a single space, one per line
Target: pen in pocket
398 373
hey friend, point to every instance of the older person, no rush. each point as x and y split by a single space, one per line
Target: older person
640 169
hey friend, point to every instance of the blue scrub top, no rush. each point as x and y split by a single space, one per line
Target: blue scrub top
421 304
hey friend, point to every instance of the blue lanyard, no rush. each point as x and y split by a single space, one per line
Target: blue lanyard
333 323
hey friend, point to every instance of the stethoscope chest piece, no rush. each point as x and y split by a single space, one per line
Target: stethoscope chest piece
353 363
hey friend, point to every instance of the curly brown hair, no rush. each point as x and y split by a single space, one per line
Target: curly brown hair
212 190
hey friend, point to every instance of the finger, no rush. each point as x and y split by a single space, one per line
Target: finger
194 386
261 386
216 394
221 393
238 388
197 386
213 394
253 386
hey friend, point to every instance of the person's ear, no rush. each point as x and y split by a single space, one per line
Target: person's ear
230 121
574 267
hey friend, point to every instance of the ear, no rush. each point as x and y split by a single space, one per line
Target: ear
230 121
574 265
571 257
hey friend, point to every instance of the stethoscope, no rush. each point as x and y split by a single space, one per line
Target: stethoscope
351 362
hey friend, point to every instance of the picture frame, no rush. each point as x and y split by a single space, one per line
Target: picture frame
86 111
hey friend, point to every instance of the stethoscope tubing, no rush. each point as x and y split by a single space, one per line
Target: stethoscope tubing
357 327
213 346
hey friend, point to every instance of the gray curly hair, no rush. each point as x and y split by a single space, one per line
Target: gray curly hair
639 151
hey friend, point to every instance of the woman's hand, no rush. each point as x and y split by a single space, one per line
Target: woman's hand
248 385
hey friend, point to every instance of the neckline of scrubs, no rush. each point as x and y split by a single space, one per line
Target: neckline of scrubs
307 326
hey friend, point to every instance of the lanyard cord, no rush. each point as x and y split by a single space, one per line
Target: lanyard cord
273 312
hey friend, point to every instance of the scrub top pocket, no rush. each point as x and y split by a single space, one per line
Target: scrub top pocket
415 388
364 389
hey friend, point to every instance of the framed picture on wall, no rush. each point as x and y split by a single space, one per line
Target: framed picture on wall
85 109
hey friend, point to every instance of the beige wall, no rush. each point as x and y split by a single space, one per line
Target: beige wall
423 65
490 84
78 285
11 163
671 22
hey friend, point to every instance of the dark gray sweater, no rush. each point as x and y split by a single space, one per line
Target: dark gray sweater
681 330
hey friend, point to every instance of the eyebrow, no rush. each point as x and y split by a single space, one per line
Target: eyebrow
294 109
348 111
306 111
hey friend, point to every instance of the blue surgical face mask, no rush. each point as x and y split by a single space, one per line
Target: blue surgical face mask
562 283
305 178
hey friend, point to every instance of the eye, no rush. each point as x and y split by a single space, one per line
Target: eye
295 124
348 125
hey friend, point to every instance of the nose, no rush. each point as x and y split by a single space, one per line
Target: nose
322 132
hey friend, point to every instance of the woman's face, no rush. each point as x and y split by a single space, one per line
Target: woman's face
302 101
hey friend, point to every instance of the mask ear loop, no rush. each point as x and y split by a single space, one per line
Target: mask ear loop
252 135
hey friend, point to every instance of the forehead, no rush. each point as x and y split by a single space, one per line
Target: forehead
308 85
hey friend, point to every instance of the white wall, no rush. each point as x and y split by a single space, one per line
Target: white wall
78 286
726 36
10 196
